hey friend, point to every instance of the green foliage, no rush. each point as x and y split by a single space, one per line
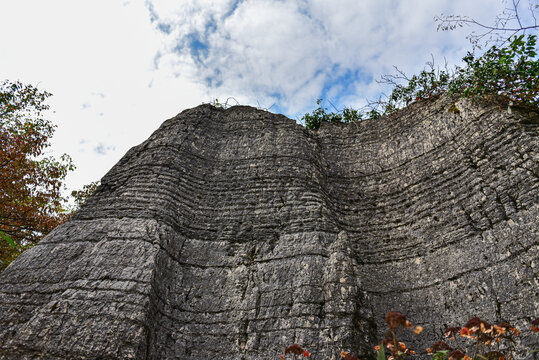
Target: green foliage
31 200
429 83
8 239
17 100
80 196
441 355
224 105
314 120
381 354
511 71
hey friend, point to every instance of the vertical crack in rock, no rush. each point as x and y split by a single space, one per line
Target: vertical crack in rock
346 320
231 234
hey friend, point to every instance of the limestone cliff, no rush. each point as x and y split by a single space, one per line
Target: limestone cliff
231 234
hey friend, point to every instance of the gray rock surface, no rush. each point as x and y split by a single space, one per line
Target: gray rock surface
231 234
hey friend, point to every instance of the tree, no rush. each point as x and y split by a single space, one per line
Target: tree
31 202
509 69
80 196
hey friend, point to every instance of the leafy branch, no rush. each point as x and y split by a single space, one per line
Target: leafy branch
511 72
314 120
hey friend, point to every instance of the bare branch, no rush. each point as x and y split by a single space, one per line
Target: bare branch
334 106
515 6
500 31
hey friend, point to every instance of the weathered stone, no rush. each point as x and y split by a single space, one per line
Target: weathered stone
231 234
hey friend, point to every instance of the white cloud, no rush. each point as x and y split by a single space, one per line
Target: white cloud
102 149
118 69
97 59
292 52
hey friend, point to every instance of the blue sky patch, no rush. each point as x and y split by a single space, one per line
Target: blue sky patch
199 49
165 28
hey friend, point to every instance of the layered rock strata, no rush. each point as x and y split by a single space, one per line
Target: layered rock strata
231 234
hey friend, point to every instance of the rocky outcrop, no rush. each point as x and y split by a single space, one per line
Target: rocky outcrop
231 234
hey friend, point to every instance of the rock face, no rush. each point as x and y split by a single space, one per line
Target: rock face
231 234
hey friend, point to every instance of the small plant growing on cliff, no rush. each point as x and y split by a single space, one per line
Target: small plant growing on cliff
492 342
535 329
535 325
224 105
397 349
296 351
314 120
488 342
349 356
80 196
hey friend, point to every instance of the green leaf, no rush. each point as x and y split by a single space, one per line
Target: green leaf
381 353
10 241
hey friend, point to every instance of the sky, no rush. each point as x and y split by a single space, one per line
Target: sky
118 68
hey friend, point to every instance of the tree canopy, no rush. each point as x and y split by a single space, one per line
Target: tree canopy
31 201
80 196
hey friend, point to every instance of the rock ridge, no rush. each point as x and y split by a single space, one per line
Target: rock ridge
231 234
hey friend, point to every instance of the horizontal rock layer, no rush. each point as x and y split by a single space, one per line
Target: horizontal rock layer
231 234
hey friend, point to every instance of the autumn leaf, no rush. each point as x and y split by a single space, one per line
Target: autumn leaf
31 200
